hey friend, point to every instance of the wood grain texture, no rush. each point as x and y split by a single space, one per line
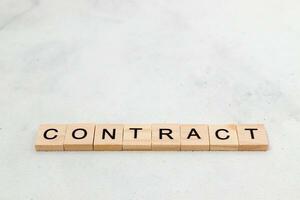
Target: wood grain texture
223 138
79 137
50 137
252 137
137 137
194 137
165 137
108 137
156 137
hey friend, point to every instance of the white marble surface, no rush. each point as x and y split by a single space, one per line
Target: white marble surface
140 61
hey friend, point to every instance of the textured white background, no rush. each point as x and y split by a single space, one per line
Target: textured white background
139 61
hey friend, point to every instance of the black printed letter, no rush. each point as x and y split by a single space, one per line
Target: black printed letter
112 136
224 138
193 134
251 131
50 138
135 131
165 131
79 129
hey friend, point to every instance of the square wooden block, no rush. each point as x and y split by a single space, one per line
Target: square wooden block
108 137
79 137
194 138
137 137
50 137
223 138
252 137
165 137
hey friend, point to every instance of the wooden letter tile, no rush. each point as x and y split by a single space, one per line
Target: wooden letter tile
194 138
165 137
50 137
223 138
108 137
137 137
79 137
252 137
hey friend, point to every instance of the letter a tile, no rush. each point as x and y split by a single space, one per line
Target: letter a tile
194 138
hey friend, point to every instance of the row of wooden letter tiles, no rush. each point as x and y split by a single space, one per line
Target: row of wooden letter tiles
155 137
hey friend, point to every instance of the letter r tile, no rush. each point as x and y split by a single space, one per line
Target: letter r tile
165 137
